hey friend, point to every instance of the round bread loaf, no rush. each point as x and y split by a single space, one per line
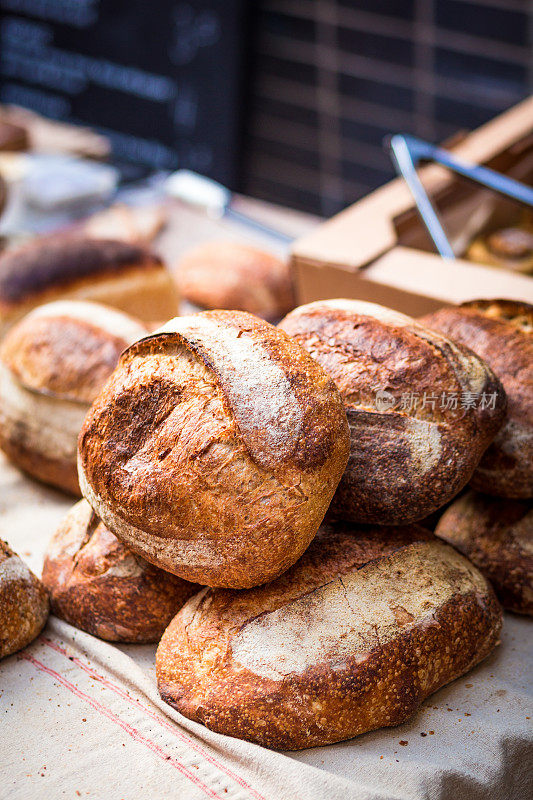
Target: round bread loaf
509 248
60 266
497 536
353 637
23 603
414 404
501 332
232 275
97 584
53 363
215 449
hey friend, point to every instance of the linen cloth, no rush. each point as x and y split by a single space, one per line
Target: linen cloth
82 718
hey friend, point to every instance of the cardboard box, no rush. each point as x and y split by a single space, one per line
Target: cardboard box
378 249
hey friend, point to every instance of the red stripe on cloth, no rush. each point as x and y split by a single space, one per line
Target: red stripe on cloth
161 720
129 729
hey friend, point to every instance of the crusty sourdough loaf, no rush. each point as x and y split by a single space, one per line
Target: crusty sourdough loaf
53 363
353 637
97 584
497 536
61 266
215 449
411 450
501 332
233 275
23 603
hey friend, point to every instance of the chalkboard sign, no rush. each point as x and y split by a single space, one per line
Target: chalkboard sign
160 78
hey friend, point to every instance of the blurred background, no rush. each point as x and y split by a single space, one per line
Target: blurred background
285 100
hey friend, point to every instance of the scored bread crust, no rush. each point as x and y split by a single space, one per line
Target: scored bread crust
404 462
52 365
232 275
500 332
215 449
117 273
497 536
23 603
97 584
353 637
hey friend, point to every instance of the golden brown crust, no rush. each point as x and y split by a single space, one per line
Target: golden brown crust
497 536
353 637
407 458
215 449
68 265
23 603
52 365
101 587
61 259
61 473
501 332
64 353
232 275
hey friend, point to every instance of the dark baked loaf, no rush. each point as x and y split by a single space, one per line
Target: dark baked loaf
501 332
353 637
97 584
23 603
53 363
233 275
215 449
413 400
60 266
497 536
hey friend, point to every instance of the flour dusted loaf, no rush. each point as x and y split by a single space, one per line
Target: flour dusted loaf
232 275
23 603
501 332
353 637
97 584
409 454
215 449
497 536
117 273
53 363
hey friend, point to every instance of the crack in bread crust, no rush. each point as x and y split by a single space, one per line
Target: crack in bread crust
353 637
404 462
215 449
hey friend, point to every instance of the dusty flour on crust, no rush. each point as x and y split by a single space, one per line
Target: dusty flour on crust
425 445
14 569
341 619
44 424
261 397
114 322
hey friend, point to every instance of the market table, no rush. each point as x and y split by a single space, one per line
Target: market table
82 718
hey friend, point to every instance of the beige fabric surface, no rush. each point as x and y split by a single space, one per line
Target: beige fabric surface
82 718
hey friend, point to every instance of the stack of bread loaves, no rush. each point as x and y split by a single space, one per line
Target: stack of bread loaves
211 456
495 529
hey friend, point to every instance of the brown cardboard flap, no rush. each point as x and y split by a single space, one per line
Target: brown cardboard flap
366 230
447 281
